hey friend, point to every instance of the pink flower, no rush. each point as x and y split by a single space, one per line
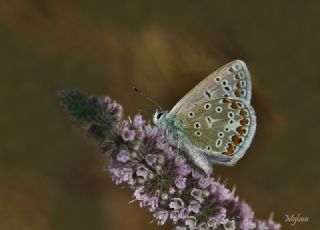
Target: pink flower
123 156
180 182
194 206
159 174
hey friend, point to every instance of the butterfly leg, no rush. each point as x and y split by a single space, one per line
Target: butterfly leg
201 160
178 145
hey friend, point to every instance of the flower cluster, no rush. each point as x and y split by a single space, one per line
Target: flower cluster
168 185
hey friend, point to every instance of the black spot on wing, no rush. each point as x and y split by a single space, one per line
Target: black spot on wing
208 94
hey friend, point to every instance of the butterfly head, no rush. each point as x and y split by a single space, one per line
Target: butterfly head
158 115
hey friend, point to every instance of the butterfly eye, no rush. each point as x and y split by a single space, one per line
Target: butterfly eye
159 115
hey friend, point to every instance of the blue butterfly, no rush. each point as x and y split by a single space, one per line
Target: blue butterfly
214 123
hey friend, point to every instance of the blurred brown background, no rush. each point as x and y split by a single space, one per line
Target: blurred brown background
50 173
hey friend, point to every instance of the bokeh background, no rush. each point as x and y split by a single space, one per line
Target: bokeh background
51 174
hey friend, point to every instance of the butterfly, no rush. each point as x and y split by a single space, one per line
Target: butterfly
214 123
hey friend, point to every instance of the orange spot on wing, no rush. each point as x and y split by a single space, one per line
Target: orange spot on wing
240 130
243 113
234 105
238 93
236 139
230 149
244 121
225 100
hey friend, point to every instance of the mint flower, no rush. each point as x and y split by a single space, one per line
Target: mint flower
180 182
160 177
194 206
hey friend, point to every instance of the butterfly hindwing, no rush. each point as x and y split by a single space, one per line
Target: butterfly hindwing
231 80
221 128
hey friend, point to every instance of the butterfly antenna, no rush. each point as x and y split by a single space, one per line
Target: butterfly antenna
146 97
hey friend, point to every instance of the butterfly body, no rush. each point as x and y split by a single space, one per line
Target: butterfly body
214 123
174 128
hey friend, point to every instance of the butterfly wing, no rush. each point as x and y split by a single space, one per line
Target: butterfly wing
231 80
222 129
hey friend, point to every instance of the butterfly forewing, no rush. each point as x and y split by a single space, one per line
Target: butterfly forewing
231 80
222 127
